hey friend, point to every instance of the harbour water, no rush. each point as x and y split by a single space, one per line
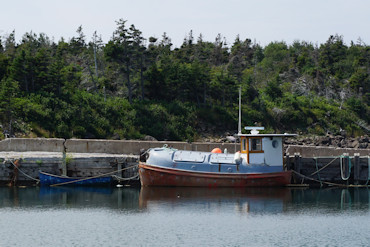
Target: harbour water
65 216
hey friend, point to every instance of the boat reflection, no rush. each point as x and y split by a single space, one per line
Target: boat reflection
272 200
147 199
71 197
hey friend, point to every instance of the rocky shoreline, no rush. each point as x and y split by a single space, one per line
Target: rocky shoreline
336 141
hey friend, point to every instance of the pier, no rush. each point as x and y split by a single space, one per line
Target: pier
22 158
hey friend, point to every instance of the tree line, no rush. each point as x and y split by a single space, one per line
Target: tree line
131 86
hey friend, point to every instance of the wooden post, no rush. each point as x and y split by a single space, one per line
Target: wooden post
64 164
356 169
297 166
297 162
119 169
287 161
64 161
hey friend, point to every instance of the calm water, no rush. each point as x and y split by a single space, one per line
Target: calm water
184 217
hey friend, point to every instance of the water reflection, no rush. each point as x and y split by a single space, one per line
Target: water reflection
260 200
71 197
334 199
243 200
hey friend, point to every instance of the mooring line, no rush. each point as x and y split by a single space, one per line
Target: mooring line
322 168
328 183
119 179
342 169
37 180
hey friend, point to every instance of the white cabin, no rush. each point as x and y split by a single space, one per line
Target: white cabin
262 148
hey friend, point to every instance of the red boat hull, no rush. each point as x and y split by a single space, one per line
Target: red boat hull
159 176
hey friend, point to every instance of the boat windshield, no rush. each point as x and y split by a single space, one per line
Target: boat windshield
256 144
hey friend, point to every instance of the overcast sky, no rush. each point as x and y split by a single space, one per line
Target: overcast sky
262 21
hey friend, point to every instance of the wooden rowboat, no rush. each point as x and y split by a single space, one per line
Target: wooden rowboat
50 179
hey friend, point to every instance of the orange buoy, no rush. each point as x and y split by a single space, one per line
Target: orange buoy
216 150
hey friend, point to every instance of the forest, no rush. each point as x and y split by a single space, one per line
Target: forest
132 87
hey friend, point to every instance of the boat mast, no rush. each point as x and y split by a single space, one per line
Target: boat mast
240 111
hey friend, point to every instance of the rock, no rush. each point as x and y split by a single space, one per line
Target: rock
338 137
364 139
149 138
116 136
331 140
326 141
363 145
230 139
89 135
334 142
354 144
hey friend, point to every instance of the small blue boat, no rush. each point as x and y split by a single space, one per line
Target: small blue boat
50 179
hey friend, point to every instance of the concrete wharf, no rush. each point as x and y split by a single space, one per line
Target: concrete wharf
22 158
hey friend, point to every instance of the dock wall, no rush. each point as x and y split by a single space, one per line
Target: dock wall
320 151
335 170
85 158
102 146
134 146
32 144
82 157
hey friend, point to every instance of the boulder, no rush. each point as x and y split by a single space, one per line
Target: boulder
149 138
231 139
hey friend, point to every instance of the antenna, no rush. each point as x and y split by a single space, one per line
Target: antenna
240 111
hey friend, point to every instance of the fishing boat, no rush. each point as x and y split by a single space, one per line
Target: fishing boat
50 179
259 163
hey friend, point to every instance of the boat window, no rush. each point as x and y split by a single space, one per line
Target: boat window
275 143
244 144
256 144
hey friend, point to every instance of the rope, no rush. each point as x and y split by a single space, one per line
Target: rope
35 179
312 179
328 183
323 166
119 179
341 167
101 175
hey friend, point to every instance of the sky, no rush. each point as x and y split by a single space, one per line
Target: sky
262 21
